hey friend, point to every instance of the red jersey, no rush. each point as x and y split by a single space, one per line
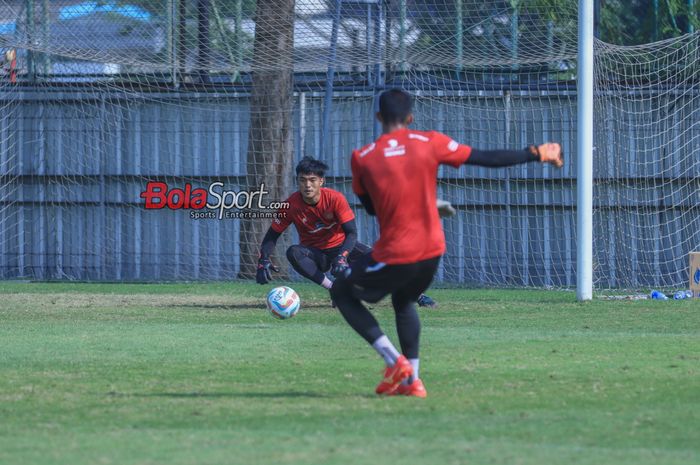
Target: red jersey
399 172
319 225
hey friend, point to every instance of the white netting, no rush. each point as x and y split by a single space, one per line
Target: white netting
113 94
647 166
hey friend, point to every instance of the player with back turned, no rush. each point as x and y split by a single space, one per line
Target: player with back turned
395 178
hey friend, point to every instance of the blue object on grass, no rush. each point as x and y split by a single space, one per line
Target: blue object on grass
658 295
682 295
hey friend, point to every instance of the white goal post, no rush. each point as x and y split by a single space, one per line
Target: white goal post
584 170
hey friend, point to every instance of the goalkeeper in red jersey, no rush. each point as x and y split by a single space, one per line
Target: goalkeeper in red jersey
327 232
395 178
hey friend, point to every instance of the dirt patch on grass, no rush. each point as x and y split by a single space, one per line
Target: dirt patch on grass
85 300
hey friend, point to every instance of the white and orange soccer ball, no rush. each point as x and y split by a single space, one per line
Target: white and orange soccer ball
283 302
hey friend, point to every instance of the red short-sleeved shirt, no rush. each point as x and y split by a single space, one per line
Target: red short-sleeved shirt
399 172
319 225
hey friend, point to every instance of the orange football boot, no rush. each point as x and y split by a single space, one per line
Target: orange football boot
393 376
415 389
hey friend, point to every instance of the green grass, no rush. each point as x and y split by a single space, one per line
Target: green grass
200 374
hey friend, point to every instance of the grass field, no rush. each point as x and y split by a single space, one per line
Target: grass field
200 374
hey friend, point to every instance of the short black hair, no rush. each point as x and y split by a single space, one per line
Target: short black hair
309 165
395 105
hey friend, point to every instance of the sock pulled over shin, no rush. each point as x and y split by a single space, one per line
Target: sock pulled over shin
386 350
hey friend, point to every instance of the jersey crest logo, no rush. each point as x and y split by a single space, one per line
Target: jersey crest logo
321 227
394 149
328 215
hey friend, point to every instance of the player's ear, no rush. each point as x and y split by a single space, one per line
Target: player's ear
409 119
322 181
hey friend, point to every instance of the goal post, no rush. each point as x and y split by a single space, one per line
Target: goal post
584 170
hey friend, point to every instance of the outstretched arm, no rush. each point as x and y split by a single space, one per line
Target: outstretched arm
545 153
448 152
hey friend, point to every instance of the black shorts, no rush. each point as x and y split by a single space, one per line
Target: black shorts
324 257
371 281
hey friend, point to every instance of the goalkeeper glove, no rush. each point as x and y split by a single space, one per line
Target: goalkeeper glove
263 275
550 152
340 264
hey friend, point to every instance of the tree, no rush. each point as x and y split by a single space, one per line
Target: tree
270 147
497 29
488 26
632 22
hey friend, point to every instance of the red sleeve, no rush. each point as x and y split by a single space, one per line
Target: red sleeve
447 151
357 186
343 212
284 218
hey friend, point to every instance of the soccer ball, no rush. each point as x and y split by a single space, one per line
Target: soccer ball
283 302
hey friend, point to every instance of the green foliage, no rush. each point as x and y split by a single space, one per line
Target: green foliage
633 22
624 22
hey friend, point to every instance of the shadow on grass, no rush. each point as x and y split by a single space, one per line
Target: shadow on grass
211 395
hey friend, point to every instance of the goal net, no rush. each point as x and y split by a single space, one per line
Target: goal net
106 100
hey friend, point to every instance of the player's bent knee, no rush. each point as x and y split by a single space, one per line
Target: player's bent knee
344 287
293 254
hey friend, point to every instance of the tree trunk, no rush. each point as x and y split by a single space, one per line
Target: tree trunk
270 147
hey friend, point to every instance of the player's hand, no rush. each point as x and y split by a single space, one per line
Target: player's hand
551 153
264 275
445 208
340 264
